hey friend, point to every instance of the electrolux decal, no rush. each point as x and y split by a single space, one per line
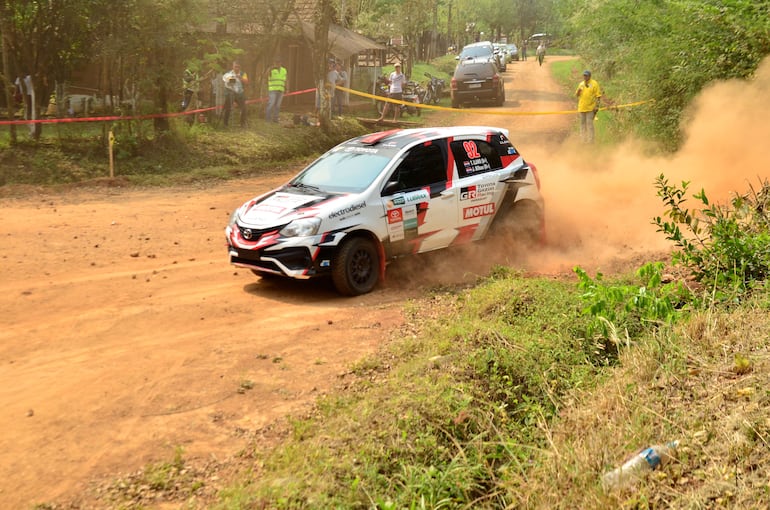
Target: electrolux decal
349 209
478 210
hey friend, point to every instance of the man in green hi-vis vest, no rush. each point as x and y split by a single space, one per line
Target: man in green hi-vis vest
276 86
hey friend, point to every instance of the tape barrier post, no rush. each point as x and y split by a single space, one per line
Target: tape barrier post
112 159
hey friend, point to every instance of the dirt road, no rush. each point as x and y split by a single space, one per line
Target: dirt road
125 333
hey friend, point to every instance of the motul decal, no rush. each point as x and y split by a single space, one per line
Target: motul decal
477 211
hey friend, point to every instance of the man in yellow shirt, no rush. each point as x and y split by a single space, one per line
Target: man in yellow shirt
589 94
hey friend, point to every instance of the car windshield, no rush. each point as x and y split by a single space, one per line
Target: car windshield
348 170
476 51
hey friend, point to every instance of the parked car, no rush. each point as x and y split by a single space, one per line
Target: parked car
501 54
513 52
385 195
480 51
477 82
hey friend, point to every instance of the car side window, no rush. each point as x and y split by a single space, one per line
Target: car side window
475 157
423 166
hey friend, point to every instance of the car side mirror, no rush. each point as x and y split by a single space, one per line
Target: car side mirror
390 188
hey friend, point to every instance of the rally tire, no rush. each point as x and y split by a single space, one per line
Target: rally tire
518 225
356 267
525 222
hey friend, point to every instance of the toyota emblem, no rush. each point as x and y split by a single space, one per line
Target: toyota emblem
247 233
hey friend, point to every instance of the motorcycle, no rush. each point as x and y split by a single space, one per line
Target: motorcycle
412 92
434 89
381 89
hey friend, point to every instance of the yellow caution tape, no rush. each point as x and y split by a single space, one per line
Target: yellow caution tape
487 112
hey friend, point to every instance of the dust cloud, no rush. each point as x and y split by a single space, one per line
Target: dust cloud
600 205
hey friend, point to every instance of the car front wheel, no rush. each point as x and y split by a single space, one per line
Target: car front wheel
356 267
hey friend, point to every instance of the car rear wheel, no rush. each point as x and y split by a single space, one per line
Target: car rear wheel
356 267
500 101
521 225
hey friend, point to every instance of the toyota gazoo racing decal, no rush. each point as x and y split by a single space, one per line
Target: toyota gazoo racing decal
477 192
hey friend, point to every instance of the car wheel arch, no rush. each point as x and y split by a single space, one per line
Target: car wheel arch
363 245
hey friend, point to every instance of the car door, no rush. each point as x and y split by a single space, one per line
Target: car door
479 186
420 204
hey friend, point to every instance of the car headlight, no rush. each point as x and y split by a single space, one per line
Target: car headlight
302 227
233 217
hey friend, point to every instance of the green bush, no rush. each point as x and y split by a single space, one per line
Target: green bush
630 309
727 248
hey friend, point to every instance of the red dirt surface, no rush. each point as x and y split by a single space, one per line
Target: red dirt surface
126 334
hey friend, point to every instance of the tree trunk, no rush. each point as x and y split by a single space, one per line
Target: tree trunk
321 54
8 86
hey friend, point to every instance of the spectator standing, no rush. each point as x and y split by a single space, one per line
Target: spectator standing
524 50
276 87
540 52
342 80
589 95
396 81
332 80
235 83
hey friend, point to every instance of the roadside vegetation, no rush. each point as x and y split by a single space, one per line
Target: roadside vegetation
521 392
667 51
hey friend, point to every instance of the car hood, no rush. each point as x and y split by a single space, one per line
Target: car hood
278 208
282 207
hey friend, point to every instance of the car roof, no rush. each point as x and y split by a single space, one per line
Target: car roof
480 43
402 138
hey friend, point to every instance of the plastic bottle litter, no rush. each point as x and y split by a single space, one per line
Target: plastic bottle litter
640 465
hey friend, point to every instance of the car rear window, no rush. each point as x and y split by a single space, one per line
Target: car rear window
475 157
476 51
481 69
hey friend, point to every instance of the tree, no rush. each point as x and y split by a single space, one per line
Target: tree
668 50
42 40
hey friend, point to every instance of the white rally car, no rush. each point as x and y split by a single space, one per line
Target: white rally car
380 196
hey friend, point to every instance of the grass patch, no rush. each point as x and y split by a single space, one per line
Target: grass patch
184 155
492 397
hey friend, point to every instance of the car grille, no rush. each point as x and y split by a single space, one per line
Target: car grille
254 234
297 258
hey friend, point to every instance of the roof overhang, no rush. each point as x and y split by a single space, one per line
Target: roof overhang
344 42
